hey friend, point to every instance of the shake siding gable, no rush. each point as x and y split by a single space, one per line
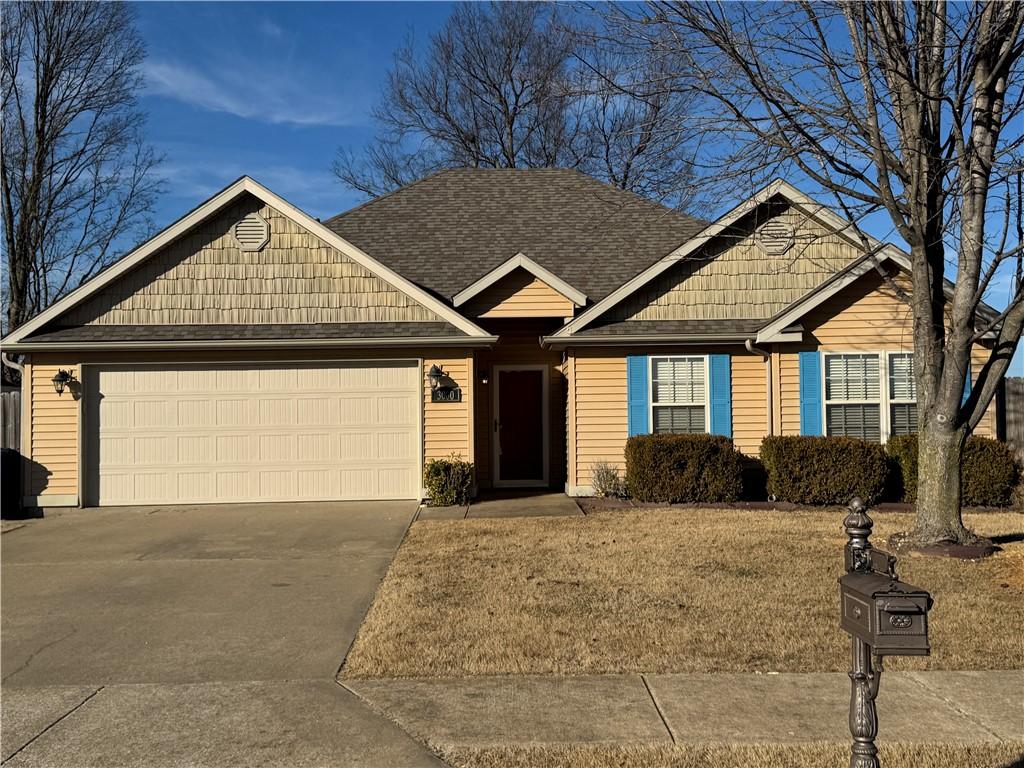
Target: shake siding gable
206 278
732 277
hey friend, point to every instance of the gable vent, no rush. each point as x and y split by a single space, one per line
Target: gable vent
775 237
252 232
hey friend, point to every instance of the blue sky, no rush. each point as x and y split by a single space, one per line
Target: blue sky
267 89
273 89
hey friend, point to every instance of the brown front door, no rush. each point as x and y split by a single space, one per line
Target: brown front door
519 420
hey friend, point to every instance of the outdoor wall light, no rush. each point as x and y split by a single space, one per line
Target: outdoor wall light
61 379
439 379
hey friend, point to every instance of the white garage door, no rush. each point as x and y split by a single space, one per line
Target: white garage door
173 435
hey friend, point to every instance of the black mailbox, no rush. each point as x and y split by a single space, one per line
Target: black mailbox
887 614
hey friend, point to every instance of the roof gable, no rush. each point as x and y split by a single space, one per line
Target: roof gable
775 280
525 264
203 230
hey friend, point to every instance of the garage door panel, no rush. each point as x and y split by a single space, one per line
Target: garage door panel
314 431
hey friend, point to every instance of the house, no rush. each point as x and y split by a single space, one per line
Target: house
531 320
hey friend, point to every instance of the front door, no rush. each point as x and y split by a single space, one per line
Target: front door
520 425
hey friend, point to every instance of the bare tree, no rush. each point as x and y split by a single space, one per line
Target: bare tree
911 109
516 85
75 173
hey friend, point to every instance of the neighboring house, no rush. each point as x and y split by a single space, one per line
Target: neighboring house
249 352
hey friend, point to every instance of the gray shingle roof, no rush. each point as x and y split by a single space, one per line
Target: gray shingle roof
446 231
244 332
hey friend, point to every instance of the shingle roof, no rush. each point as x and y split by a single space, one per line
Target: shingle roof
449 229
245 332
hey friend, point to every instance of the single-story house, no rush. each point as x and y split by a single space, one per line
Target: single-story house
527 320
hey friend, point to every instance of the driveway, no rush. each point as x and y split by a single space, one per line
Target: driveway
205 635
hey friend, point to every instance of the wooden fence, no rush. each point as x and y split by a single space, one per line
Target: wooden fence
10 419
1015 413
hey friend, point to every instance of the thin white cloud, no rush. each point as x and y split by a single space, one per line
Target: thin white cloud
242 92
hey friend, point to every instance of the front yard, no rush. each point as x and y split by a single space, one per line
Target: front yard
666 591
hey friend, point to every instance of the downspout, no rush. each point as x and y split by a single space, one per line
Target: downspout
12 365
749 344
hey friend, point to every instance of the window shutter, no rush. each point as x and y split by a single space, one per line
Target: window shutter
967 387
810 393
637 394
720 378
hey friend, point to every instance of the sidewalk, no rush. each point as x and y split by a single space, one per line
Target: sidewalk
978 707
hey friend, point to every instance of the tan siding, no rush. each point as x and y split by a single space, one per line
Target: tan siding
749 402
569 370
446 426
866 316
53 430
519 294
733 278
600 410
598 416
205 278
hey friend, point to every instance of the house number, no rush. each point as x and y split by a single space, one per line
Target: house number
451 395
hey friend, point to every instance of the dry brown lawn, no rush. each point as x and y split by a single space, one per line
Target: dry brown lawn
666 591
1005 755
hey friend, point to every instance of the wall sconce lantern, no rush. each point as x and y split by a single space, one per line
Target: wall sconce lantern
61 379
443 388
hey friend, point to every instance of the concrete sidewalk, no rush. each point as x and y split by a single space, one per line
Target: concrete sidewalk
495 504
692 708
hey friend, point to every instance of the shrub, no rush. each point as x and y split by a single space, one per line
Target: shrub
448 481
606 480
824 470
903 451
683 468
989 472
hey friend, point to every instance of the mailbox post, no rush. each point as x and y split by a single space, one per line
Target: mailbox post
884 617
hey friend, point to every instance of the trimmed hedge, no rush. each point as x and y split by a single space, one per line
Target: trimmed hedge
674 469
448 481
824 470
989 471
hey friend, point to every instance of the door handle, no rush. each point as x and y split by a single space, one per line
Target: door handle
496 426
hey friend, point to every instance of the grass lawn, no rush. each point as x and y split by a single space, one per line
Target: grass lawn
666 591
1006 755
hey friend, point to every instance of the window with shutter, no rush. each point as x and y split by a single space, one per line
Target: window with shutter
853 406
679 394
902 394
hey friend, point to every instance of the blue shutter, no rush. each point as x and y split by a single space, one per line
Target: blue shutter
967 387
637 372
810 393
720 382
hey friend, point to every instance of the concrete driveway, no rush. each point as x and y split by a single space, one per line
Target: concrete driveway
199 636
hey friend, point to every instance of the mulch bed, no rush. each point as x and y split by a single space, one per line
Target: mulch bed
592 504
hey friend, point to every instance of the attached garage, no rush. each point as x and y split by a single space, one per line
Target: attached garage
268 432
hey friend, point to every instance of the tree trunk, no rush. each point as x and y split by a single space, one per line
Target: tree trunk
939 452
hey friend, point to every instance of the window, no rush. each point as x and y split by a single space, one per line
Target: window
853 405
679 394
859 402
902 394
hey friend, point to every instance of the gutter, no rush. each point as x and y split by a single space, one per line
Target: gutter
414 341
769 410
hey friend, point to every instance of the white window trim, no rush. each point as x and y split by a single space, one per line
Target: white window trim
884 400
651 405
